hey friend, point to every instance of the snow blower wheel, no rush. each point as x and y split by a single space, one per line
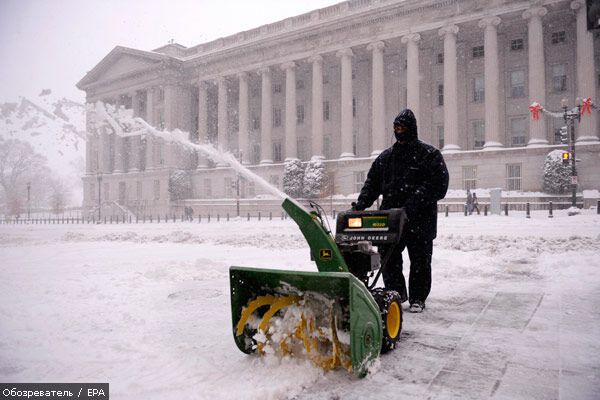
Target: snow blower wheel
391 317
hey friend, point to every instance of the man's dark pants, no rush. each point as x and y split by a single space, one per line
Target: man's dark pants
419 281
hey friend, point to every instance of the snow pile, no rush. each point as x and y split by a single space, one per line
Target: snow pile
514 319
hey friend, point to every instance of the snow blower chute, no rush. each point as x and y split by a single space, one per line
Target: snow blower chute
333 316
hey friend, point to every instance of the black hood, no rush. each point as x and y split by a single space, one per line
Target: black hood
407 118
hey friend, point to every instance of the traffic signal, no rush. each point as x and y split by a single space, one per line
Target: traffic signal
593 14
566 157
564 135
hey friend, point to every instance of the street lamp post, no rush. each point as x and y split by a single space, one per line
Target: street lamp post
237 187
28 200
99 177
570 116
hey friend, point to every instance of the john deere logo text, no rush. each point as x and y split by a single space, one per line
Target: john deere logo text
325 254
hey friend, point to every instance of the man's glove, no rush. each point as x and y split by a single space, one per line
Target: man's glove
356 206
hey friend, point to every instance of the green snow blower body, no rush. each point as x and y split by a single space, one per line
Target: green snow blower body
352 332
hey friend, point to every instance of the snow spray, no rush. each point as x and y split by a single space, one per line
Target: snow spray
124 124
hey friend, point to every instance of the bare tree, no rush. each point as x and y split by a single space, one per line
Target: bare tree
19 164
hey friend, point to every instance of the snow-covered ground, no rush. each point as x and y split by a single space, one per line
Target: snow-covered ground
514 312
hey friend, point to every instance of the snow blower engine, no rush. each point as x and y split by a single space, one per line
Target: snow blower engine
334 317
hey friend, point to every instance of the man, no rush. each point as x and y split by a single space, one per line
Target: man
413 175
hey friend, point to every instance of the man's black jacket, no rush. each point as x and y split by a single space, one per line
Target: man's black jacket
411 175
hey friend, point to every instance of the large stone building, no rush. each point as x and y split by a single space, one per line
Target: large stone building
328 83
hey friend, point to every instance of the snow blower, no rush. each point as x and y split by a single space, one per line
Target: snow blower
334 317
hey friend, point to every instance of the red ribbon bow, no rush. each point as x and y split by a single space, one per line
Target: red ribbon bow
535 109
586 105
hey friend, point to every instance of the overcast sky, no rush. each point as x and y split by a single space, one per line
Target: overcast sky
53 43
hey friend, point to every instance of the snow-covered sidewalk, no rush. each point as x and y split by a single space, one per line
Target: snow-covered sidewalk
514 312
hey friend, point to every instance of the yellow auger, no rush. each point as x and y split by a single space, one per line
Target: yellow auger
333 317
304 332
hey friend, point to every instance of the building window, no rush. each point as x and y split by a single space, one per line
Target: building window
478 51
92 191
517 84
251 189
359 180
142 154
277 152
254 92
513 176
138 191
478 138
277 117
157 153
126 153
327 148
122 193
517 131
141 103
255 153
274 180
106 191
161 119
440 58
299 84
126 101
326 110
440 90
478 89
559 78
160 94
516 44
325 78
353 73
256 122
469 177
207 188
228 186
558 37
405 63
111 152
300 114
156 189
301 146
354 106
277 88
440 134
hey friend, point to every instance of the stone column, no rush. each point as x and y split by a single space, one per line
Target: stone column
266 116
537 72
169 148
378 98
587 129
202 122
134 141
291 151
223 126
150 137
450 89
105 166
346 125
170 94
317 106
150 106
492 84
412 73
243 117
